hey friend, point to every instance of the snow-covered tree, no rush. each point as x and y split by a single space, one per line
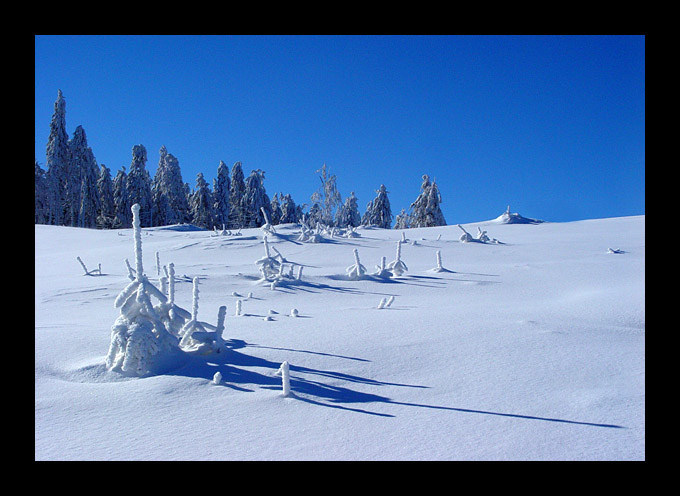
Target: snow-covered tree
107 209
403 220
123 218
57 163
348 213
138 185
425 210
275 218
255 200
140 342
202 204
84 173
328 195
41 204
378 212
289 211
237 190
170 205
221 195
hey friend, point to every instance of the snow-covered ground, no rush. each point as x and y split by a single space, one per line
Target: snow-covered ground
533 349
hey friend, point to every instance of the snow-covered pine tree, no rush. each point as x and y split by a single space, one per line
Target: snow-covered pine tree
289 212
275 218
159 198
83 178
348 213
202 204
41 205
403 220
174 187
57 163
107 209
237 190
123 216
221 193
254 199
378 212
138 185
425 210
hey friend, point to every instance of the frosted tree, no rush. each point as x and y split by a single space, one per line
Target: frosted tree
173 189
276 210
159 197
425 210
57 163
236 192
121 204
140 343
202 204
196 336
356 270
403 220
138 184
397 266
107 209
289 211
221 195
378 212
41 204
84 173
348 213
328 195
255 200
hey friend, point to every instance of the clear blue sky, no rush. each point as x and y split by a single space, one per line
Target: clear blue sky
554 126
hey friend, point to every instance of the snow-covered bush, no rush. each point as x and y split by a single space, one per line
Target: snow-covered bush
382 271
273 268
195 336
173 316
357 270
397 266
140 342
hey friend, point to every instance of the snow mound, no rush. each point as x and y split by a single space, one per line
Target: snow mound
510 218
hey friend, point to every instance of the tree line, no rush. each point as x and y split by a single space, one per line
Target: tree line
76 191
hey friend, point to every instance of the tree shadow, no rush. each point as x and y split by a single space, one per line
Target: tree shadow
325 388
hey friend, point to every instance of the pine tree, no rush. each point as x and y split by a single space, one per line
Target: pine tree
221 195
123 214
289 212
139 185
255 199
170 204
403 220
41 205
276 210
83 176
238 189
202 204
57 163
107 209
378 212
425 210
348 213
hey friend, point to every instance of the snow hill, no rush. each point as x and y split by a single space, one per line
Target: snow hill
532 348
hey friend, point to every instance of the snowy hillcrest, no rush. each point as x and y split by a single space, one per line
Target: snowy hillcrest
515 342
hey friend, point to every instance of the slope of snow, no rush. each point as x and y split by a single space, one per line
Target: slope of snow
533 349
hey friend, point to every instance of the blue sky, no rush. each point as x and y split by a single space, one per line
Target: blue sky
554 126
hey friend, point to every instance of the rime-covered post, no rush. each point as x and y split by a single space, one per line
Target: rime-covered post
83 265
238 308
397 266
158 264
194 301
439 260
171 283
285 377
299 274
357 270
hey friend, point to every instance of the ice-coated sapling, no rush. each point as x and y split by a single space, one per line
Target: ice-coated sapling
397 266
356 271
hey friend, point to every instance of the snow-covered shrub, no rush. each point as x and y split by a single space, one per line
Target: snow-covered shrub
140 342
397 266
382 271
173 316
267 227
439 267
90 272
273 268
466 237
356 271
195 336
